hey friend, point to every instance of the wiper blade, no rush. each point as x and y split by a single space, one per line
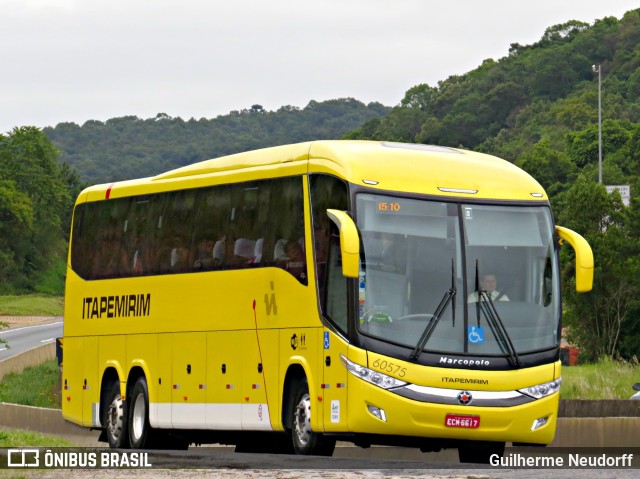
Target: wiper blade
449 296
497 325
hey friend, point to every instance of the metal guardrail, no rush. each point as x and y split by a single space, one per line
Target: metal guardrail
32 357
599 408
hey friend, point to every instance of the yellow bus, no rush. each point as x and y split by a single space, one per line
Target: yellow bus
373 292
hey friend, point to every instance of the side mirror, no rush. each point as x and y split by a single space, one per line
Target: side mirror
584 258
349 242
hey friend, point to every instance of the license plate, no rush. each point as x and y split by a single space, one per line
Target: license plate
466 422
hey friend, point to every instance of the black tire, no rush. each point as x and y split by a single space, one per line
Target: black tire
115 418
139 429
305 441
480 452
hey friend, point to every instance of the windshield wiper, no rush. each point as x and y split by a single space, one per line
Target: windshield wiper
485 302
449 297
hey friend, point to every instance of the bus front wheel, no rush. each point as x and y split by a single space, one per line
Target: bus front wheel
305 441
139 415
116 418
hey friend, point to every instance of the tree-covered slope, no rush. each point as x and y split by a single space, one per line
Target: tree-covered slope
540 100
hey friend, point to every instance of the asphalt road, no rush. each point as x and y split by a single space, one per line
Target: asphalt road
23 338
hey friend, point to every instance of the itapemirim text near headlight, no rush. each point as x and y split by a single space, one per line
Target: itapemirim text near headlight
373 377
542 390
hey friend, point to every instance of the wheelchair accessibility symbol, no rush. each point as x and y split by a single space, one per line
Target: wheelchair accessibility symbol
475 334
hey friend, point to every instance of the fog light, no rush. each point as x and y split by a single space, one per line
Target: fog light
538 423
377 412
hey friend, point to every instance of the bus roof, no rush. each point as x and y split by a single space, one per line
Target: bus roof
425 169
388 166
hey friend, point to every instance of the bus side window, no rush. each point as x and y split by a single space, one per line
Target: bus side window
284 233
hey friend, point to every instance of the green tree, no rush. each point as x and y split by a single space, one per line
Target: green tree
583 144
16 221
598 319
38 199
552 168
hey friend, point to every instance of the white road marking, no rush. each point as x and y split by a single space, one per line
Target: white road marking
29 327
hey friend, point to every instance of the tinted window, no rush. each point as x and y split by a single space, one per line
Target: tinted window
223 227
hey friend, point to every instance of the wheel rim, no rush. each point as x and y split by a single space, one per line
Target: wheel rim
303 420
138 417
115 417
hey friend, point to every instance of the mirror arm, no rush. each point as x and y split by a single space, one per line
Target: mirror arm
349 242
584 258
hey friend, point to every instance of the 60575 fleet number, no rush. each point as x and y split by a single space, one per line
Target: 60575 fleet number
389 367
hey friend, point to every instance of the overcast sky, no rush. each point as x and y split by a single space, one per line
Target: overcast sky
79 60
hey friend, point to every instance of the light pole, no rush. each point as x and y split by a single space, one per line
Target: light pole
598 68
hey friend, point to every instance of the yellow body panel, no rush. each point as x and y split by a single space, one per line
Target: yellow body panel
412 418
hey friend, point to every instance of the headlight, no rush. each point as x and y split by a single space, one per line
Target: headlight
373 377
542 390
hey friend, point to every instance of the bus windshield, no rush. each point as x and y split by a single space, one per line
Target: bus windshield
458 278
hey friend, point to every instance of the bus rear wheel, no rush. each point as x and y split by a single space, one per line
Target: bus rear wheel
305 441
115 418
139 415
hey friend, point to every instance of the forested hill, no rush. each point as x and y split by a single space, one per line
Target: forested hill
538 106
130 147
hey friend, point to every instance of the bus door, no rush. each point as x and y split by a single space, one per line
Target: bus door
90 383
334 383
334 343
73 380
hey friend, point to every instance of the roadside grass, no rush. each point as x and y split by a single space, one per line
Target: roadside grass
36 386
31 305
606 379
21 438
